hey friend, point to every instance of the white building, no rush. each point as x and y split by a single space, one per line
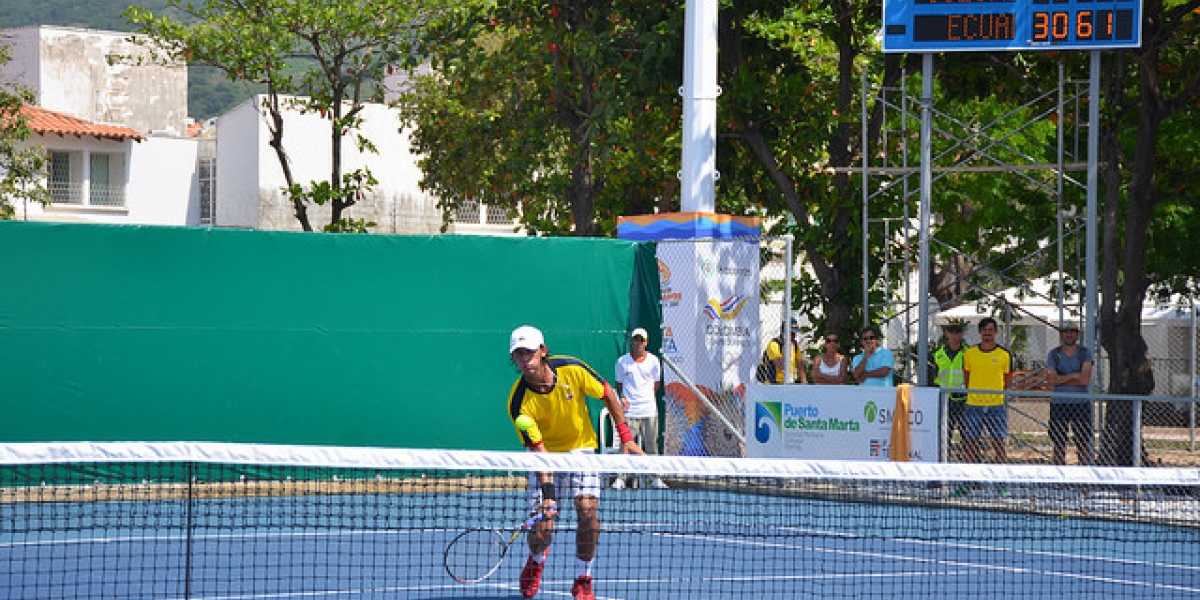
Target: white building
115 124
112 124
249 179
99 76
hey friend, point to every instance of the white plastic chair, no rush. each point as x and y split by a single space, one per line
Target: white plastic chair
609 443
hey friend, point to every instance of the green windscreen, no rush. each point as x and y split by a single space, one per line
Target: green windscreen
160 334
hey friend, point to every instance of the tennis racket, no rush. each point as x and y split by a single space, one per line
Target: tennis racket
475 554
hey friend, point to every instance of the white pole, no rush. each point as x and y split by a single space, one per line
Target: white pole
785 336
700 90
924 216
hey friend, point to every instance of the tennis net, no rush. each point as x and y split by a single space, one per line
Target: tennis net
230 521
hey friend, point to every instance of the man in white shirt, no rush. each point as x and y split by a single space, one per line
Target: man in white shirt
639 374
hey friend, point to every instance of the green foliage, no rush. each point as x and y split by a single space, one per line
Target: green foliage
88 14
566 113
22 168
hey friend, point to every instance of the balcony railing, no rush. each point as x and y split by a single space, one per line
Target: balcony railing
78 194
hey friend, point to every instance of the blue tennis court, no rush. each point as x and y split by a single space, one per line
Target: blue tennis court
677 543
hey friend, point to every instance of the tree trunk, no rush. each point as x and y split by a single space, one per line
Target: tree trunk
1124 289
276 129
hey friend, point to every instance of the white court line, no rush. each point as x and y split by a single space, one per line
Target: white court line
840 534
214 536
951 563
1084 557
718 539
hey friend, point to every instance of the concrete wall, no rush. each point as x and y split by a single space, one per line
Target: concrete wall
241 153
250 178
71 72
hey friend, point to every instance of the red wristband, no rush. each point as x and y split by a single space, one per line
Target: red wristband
624 433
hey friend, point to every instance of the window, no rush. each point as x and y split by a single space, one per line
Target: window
60 179
101 190
207 169
101 183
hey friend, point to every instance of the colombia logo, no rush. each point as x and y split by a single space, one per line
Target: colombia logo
767 416
727 310
664 273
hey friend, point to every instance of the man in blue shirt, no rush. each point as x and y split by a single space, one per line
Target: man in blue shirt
1069 370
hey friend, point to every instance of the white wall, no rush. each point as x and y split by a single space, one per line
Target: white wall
160 184
241 144
249 175
162 188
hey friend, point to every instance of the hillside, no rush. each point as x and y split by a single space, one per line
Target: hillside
209 93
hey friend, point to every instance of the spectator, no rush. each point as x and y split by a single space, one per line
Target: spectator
830 367
874 366
770 368
639 375
949 362
987 366
1069 370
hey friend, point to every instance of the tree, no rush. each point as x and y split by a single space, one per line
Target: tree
788 122
22 168
1152 95
316 56
565 114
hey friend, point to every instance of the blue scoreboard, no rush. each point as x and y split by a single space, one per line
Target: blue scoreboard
979 25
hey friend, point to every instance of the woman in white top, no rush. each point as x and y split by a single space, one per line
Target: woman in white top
830 367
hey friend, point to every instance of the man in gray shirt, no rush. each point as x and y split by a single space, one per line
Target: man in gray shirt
1069 370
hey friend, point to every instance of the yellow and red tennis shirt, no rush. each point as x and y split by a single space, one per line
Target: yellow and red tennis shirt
562 413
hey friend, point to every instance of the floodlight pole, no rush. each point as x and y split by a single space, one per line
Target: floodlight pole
1092 291
698 175
924 210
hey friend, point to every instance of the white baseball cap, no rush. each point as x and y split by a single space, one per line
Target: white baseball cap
525 337
639 332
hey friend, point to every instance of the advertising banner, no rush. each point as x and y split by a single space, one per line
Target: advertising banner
837 422
710 331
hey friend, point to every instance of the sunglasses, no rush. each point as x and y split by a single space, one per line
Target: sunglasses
867 338
831 340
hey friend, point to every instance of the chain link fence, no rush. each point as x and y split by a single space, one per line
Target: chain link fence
1163 425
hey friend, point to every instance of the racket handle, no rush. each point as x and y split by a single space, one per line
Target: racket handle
538 518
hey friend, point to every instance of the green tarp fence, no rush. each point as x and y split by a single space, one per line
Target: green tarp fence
114 333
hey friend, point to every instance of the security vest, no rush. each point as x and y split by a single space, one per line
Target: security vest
949 370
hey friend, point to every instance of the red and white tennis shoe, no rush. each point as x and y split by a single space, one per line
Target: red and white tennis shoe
582 590
531 578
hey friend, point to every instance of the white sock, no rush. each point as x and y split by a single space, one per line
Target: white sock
583 568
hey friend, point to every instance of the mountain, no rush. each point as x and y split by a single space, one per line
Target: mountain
209 92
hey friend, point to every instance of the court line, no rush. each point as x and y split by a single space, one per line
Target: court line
949 563
962 545
719 539
1087 557
218 536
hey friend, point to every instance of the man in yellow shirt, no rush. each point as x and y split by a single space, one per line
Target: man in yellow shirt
987 366
774 372
553 391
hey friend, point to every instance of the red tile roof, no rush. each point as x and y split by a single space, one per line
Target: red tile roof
46 121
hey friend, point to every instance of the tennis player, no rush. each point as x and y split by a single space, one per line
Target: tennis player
553 391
